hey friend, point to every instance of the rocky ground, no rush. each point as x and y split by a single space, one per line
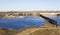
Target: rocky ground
31 31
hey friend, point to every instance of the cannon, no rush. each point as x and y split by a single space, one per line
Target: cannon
49 20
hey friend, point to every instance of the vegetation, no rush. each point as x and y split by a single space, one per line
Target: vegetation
39 31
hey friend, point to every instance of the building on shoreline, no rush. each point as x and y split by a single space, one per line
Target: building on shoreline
29 13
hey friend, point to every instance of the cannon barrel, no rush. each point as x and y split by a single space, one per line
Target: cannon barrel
50 20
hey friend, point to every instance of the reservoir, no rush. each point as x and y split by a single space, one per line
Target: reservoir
28 21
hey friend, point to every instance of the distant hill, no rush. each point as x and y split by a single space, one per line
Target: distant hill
33 11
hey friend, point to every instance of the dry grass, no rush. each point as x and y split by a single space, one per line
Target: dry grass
46 32
40 31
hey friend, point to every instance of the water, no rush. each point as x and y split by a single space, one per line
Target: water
58 20
19 23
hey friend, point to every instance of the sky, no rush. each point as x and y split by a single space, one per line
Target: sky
29 5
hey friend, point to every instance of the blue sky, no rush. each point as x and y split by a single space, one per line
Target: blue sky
29 5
